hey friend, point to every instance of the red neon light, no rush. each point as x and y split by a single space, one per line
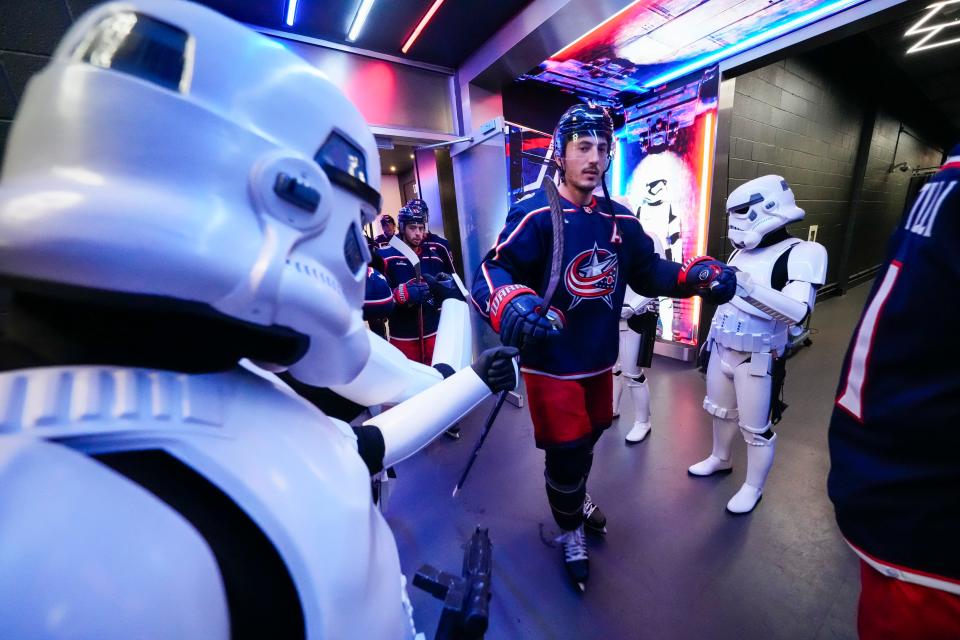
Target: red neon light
706 173
423 23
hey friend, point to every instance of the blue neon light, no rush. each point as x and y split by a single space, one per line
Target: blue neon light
766 35
291 12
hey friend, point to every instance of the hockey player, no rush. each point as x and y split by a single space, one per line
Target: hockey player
378 300
567 358
389 227
179 193
894 438
432 242
635 354
414 321
777 281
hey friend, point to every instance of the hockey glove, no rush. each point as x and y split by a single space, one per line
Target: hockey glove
712 280
411 293
515 315
496 368
443 287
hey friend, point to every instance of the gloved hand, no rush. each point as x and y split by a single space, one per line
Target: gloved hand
711 279
522 323
496 368
443 287
411 293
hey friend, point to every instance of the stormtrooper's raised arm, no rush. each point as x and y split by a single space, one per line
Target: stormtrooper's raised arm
400 432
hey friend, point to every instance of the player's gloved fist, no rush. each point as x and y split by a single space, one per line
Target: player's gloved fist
411 293
443 287
711 279
522 323
497 369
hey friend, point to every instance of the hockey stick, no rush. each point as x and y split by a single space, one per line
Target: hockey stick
556 260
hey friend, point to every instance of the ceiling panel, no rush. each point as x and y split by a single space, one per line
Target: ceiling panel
456 30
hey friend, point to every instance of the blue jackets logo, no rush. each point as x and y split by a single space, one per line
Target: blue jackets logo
592 274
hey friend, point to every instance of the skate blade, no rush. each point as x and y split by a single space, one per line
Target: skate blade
582 586
744 513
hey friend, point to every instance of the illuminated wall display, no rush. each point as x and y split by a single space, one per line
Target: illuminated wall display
649 43
663 165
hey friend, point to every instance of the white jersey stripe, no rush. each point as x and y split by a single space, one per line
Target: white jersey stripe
851 399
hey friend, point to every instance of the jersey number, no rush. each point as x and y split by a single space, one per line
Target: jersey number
850 399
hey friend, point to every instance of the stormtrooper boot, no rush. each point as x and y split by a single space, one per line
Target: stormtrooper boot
640 393
759 460
593 518
574 546
724 431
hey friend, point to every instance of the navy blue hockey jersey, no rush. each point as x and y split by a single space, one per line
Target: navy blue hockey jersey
895 430
442 248
378 296
595 273
404 320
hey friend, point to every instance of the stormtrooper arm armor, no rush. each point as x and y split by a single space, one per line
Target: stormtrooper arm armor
389 377
806 271
415 423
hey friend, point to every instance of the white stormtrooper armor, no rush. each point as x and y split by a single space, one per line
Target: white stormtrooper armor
627 372
169 163
777 281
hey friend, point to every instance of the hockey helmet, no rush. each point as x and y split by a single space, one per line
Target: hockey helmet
759 207
580 120
419 205
407 215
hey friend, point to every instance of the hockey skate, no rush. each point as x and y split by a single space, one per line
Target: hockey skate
575 558
594 519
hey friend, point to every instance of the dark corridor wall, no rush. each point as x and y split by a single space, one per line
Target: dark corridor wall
802 118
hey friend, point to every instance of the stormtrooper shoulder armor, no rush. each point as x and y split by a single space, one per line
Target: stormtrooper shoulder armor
808 263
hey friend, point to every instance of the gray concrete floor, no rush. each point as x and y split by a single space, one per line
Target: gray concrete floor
674 564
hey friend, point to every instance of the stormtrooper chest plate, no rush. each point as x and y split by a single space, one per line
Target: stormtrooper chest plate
741 326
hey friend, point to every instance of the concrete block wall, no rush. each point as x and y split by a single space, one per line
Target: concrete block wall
884 193
801 119
792 120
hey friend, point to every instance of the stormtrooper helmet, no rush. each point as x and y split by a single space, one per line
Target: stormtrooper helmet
759 207
170 152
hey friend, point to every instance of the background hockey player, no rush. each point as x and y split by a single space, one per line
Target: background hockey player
432 243
149 483
389 228
895 430
567 369
777 281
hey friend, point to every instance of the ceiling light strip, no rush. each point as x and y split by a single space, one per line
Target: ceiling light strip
423 23
759 38
358 20
291 12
